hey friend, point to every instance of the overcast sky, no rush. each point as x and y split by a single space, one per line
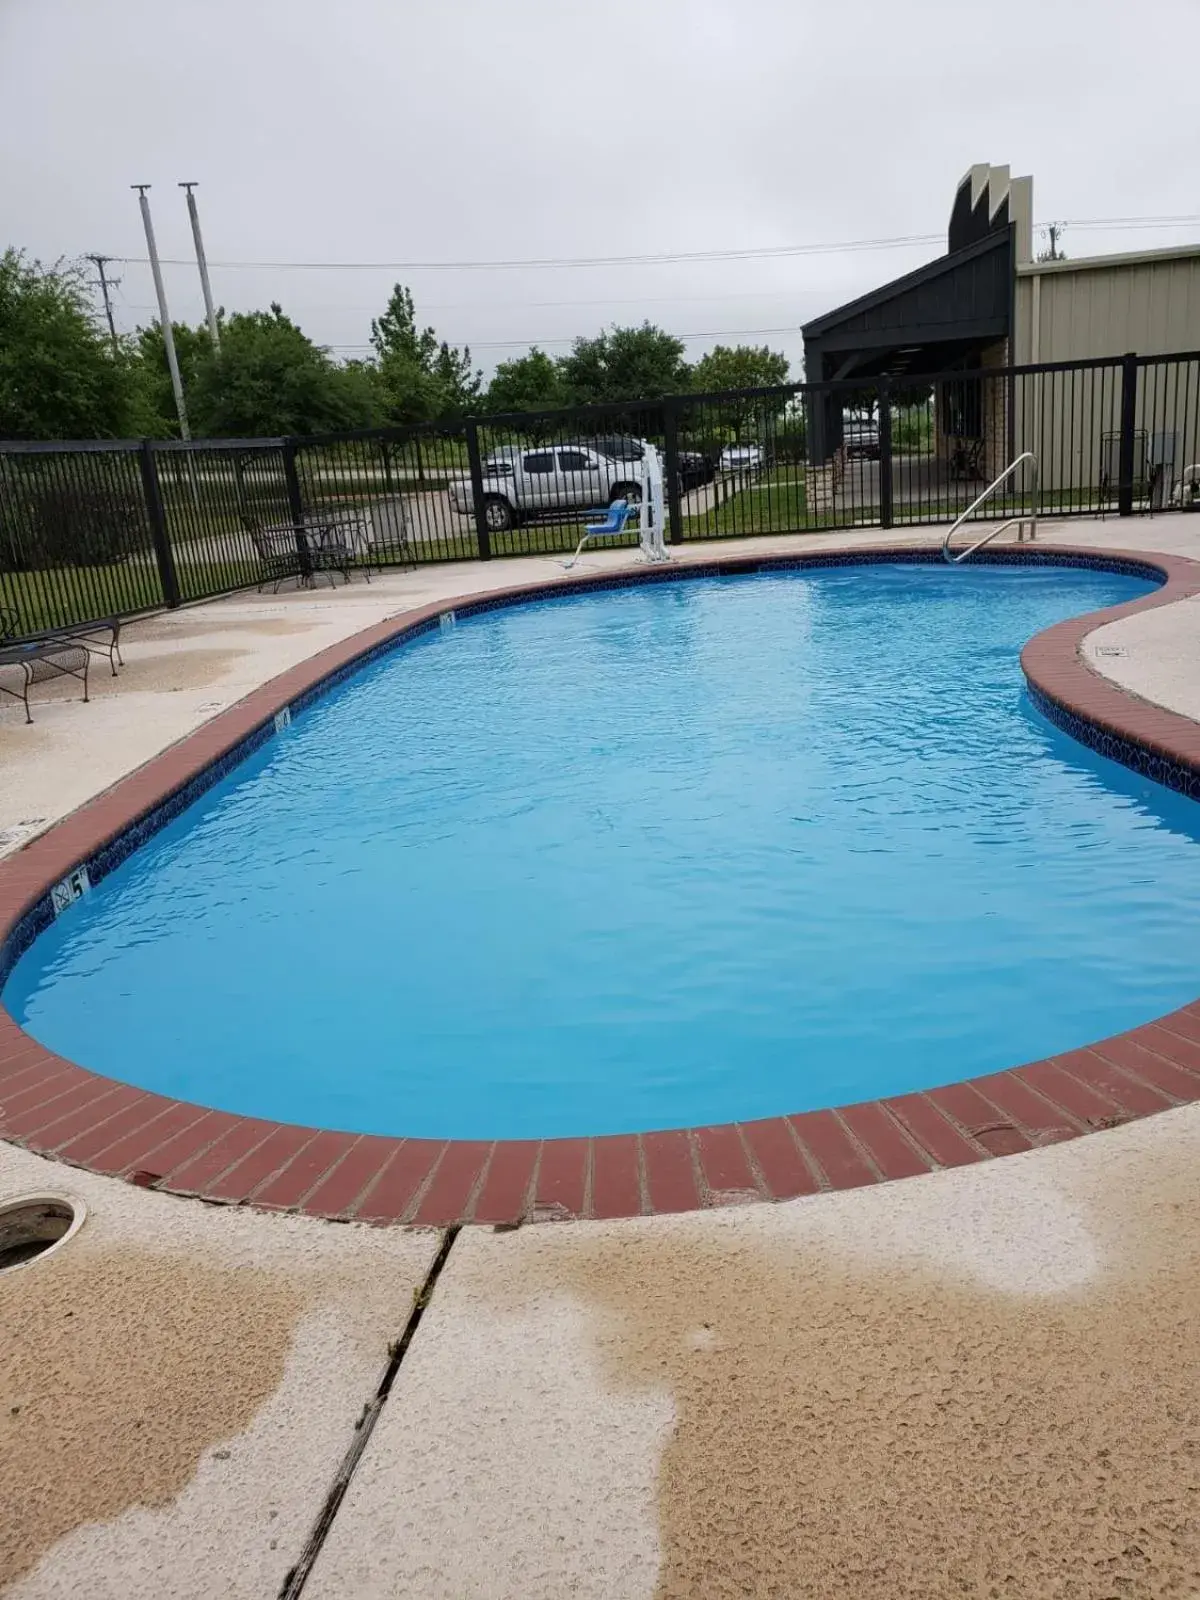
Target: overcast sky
485 130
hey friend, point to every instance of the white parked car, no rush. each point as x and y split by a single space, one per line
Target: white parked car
860 435
741 458
520 483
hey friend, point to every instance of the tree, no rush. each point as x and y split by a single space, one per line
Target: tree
59 378
360 387
737 367
395 332
740 366
532 382
420 377
269 379
458 383
405 360
625 364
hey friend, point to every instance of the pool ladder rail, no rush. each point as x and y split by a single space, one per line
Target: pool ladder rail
1018 522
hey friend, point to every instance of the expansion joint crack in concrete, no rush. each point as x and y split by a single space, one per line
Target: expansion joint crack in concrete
293 1584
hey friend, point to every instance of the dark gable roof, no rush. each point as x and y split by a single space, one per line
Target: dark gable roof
972 286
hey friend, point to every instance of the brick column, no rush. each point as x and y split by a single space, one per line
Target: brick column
995 411
822 484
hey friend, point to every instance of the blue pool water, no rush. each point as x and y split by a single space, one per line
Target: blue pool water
668 855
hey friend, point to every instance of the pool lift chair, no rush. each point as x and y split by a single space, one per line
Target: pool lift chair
649 512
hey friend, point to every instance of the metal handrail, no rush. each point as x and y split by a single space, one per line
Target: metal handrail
1027 455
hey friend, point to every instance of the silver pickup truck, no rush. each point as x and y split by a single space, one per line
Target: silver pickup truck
521 483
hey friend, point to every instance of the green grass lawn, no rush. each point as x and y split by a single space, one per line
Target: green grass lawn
329 484
59 596
1050 502
548 538
776 502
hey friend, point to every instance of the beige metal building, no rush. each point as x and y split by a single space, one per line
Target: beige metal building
1148 302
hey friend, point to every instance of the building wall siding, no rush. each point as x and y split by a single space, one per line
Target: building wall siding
1071 420
1152 307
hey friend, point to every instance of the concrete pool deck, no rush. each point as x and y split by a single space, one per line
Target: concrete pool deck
980 1383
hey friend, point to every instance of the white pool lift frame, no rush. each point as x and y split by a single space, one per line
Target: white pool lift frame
650 513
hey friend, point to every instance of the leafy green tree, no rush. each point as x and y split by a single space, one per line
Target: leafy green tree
625 364
736 421
532 382
59 377
360 385
458 383
395 332
420 377
740 366
405 360
268 378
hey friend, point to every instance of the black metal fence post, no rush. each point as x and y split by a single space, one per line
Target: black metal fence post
885 453
1125 471
671 469
296 507
481 524
163 553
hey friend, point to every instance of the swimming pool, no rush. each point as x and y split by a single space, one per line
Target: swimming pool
663 856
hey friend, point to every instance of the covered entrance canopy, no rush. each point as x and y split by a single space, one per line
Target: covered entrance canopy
956 313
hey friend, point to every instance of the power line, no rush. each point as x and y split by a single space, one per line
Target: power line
521 344
767 252
658 259
304 308
1128 222
661 258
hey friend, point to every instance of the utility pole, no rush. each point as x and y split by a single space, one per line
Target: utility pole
164 316
101 263
1055 229
202 263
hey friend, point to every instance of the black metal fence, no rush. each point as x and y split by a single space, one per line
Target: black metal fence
105 528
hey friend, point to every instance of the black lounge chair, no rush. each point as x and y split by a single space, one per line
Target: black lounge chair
56 652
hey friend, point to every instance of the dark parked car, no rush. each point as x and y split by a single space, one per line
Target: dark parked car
695 469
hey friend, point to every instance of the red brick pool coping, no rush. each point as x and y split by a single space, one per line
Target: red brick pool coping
51 1106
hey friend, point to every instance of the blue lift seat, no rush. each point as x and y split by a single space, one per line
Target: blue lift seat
617 515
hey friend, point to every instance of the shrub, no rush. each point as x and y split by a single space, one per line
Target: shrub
62 525
788 443
912 428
